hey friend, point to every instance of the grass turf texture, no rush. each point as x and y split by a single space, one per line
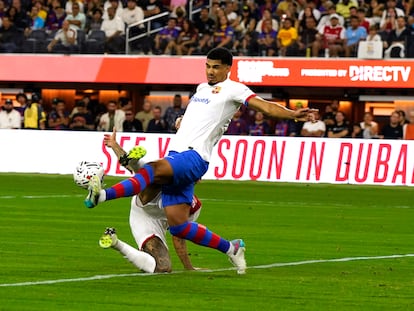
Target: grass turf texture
47 234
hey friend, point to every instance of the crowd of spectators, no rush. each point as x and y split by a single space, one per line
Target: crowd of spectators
89 115
331 28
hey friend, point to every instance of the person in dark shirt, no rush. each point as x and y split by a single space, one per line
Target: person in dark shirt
341 127
237 125
11 39
157 124
394 129
131 124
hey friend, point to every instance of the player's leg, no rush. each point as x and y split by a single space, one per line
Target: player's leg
181 227
139 259
157 249
159 172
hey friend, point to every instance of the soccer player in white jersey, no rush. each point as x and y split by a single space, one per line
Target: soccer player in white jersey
207 115
148 224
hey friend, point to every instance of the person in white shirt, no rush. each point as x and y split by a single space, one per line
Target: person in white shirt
10 118
368 126
113 118
206 119
77 19
64 40
114 29
313 127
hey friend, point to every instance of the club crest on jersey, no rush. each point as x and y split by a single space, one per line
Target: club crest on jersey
216 90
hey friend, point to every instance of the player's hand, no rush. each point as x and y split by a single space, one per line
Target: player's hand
302 114
110 139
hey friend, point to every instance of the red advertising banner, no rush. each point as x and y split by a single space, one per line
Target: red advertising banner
190 70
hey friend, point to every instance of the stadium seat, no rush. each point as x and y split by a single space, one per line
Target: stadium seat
95 42
36 42
81 39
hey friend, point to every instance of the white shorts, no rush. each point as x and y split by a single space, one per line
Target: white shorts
149 220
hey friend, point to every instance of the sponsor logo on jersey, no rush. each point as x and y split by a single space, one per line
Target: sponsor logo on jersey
216 90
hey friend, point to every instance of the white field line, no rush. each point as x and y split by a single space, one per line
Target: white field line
272 203
274 265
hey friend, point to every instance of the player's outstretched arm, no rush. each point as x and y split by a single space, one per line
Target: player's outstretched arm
180 246
274 110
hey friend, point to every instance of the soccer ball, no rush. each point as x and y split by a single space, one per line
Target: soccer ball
85 170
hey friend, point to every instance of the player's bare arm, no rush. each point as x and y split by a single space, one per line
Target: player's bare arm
180 246
275 110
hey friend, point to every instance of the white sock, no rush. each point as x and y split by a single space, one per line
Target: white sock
102 196
139 259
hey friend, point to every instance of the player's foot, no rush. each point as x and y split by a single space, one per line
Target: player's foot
109 238
94 188
237 256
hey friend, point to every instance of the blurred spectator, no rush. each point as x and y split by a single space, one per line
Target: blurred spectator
21 98
125 103
260 127
353 35
308 44
77 18
237 125
343 8
186 42
374 11
55 17
131 124
328 117
267 15
42 10
205 25
156 124
368 126
94 22
332 37
34 115
172 113
167 34
396 40
268 5
232 16
116 5
18 15
64 41
313 127
114 117
362 19
223 35
152 8
286 8
392 130
69 6
36 22
114 28
401 117
82 120
308 12
244 32
326 19
410 43
286 128
9 117
11 39
373 34
267 40
389 16
145 115
131 15
356 131
341 127
287 38
180 15
58 118
408 128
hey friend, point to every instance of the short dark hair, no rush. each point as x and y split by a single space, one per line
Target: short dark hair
222 54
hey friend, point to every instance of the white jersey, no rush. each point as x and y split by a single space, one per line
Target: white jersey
208 115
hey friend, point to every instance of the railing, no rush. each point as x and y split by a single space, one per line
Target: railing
147 33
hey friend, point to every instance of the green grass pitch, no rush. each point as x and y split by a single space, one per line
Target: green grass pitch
50 258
